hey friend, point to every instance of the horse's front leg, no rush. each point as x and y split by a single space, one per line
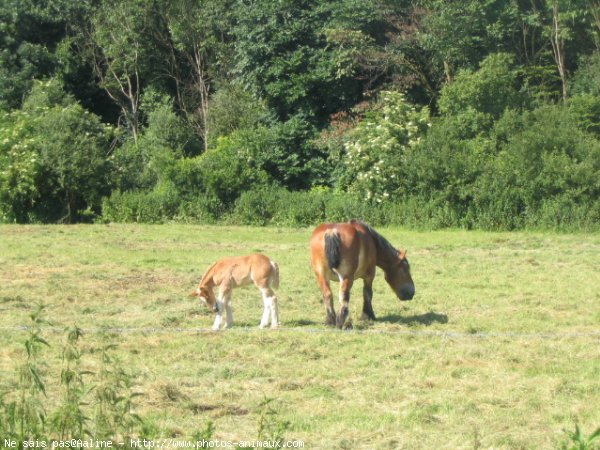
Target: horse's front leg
223 305
218 318
368 313
345 286
228 311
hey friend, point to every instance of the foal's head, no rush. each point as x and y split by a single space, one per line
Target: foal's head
398 277
206 296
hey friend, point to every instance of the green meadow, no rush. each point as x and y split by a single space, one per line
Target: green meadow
500 347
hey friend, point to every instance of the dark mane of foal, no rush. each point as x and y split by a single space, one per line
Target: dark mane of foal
382 243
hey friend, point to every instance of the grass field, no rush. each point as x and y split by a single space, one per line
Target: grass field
500 347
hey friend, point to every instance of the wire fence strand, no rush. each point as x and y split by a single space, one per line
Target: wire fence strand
311 330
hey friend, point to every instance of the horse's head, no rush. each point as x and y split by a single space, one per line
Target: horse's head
398 277
207 297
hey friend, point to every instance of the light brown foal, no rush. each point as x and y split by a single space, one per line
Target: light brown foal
229 273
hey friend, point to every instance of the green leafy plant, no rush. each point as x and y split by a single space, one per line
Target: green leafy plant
206 433
270 426
25 416
70 419
114 399
578 440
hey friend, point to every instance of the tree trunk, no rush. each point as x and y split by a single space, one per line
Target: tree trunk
558 49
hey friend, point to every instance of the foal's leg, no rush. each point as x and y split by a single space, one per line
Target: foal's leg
368 313
345 286
270 305
270 308
221 301
228 310
327 299
218 318
274 311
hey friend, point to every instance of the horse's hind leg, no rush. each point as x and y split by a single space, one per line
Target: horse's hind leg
274 313
270 308
368 313
327 300
345 286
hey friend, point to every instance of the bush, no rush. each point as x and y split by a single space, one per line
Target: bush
490 90
229 169
547 163
586 108
155 206
19 168
53 164
586 80
231 109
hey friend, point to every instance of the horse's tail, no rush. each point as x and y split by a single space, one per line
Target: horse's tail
333 244
274 278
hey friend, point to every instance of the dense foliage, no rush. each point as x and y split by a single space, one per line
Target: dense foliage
436 113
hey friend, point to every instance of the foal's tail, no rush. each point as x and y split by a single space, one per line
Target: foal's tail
333 245
274 277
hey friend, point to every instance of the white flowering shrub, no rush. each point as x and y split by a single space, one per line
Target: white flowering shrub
375 153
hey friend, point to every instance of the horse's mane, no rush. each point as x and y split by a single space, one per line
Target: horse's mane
207 272
382 243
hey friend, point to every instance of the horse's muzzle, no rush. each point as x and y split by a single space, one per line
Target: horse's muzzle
406 293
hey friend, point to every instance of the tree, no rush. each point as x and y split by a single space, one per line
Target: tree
194 38
564 31
30 33
297 55
566 16
119 41
461 33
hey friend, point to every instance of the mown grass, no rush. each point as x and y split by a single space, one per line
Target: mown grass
499 348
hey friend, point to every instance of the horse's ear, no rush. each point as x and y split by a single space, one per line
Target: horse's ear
402 254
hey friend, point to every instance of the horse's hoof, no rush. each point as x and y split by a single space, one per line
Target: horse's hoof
367 317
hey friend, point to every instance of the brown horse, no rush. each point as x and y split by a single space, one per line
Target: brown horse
346 251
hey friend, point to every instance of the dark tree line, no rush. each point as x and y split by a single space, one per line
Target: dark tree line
475 113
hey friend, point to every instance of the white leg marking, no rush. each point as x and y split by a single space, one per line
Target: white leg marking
219 317
229 312
266 312
274 313
267 308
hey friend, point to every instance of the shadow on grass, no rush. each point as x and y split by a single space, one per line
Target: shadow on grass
426 319
302 323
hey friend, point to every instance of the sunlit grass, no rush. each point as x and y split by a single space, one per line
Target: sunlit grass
499 348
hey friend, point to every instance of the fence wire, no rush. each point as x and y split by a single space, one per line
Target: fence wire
309 330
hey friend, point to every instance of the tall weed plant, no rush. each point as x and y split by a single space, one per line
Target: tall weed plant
91 405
